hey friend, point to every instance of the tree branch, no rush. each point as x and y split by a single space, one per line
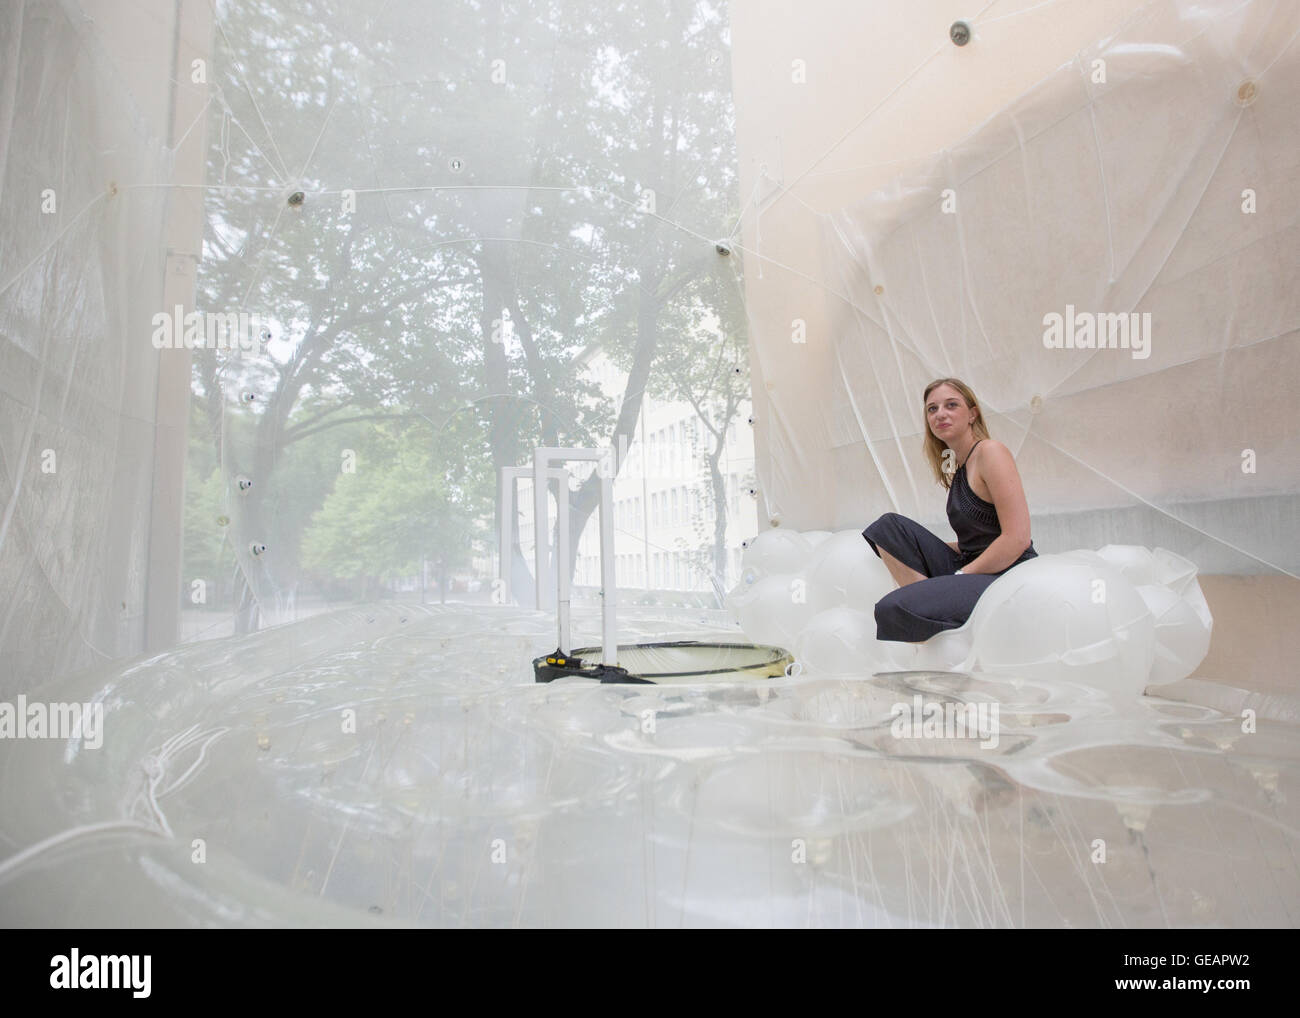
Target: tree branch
294 434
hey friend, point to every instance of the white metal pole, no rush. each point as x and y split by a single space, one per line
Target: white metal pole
541 531
608 579
542 457
562 561
508 476
507 515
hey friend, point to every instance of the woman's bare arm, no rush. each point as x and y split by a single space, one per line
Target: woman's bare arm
998 469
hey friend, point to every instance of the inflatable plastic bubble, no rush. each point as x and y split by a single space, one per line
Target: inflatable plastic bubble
1182 635
1179 575
1063 617
1118 619
844 570
816 537
842 640
1138 564
774 552
771 610
1086 556
949 651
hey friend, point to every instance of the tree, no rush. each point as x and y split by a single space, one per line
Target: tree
399 507
562 170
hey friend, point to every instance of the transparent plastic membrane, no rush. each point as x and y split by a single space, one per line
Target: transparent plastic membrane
487 258
468 796
81 214
1120 194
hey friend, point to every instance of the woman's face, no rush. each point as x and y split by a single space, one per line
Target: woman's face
947 414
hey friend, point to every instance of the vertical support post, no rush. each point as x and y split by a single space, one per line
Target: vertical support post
562 561
172 112
541 531
542 472
608 579
507 514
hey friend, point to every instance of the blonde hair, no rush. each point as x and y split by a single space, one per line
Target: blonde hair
935 447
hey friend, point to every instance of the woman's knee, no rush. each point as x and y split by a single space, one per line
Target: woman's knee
891 617
883 526
885 520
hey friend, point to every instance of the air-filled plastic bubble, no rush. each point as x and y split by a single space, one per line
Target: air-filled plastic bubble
1182 636
1079 615
777 551
1179 575
1060 617
842 640
948 651
1138 564
771 610
844 570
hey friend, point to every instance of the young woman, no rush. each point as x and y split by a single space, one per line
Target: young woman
939 582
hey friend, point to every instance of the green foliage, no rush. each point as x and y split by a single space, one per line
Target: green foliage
205 555
400 507
386 319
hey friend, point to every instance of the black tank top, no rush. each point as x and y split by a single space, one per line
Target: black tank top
974 521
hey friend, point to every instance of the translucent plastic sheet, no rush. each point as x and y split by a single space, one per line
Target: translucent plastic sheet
1150 175
81 264
499 245
578 169
496 248
232 789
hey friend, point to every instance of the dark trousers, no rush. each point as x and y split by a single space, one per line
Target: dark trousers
917 611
